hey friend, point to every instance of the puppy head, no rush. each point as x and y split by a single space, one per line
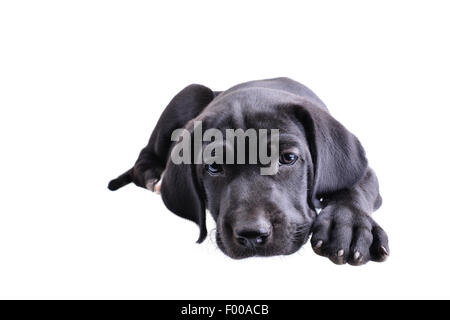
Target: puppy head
258 214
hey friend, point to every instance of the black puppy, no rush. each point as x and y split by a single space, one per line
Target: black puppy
321 166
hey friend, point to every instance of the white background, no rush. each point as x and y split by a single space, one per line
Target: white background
82 84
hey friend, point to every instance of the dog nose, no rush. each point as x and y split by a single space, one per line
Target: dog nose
252 238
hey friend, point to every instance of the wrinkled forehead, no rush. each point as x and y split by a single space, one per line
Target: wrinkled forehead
256 115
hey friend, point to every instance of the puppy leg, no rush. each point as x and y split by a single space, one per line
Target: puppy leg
151 162
345 232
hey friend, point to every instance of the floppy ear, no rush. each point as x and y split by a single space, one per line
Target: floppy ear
339 159
181 194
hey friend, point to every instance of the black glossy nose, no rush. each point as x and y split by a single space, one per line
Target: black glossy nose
252 238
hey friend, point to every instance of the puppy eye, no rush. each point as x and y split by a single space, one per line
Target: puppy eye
214 168
288 158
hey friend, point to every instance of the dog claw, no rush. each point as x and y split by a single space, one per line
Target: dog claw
384 251
318 244
356 255
340 253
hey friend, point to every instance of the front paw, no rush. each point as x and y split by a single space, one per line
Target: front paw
347 236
